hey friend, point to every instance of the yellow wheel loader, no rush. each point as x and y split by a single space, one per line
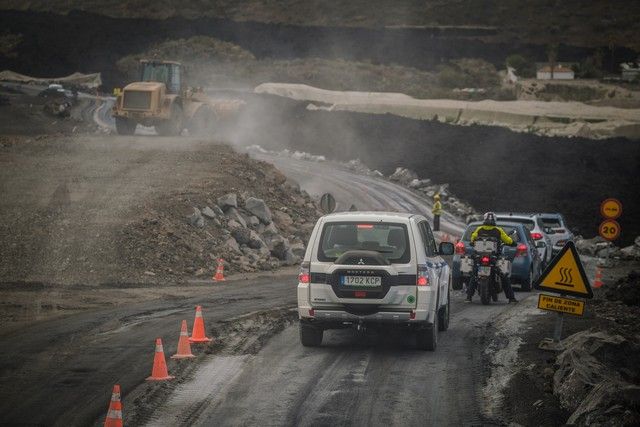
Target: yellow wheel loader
160 100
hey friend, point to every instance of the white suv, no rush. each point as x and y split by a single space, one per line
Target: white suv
374 269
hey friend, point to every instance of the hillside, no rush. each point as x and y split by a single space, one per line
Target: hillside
573 22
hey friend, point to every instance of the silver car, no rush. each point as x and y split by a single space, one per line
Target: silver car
530 221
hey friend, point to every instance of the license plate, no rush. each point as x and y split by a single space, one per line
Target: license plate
361 281
484 271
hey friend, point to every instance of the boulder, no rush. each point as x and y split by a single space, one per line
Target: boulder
289 258
233 224
298 249
242 235
232 245
283 219
208 212
252 221
196 219
279 247
228 201
403 176
270 230
255 242
630 252
591 246
232 213
419 183
259 208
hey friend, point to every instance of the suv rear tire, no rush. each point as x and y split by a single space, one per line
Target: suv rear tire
427 338
526 283
310 336
444 313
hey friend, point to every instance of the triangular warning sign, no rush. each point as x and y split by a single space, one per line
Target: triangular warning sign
565 274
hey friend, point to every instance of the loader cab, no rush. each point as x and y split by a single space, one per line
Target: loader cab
167 72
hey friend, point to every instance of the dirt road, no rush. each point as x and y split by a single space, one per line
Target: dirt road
353 380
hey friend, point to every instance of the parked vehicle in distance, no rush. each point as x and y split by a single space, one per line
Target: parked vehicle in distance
374 270
526 263
538 234
561 234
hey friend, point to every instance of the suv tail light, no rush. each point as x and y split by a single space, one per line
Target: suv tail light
536 236
460 248
521 250
485 260
422 279
304 276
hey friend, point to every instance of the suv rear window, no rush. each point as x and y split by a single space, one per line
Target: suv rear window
550 222
390 240
507 229
528 223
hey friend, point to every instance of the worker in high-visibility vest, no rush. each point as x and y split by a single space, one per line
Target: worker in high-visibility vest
437 211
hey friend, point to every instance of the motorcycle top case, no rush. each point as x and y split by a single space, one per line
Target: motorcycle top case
485 246
504 265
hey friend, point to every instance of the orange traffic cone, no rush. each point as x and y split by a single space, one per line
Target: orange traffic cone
114 415
219 276
184 347
159 372
597 283
197 333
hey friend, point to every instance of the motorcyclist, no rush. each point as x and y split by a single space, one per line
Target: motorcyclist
491 230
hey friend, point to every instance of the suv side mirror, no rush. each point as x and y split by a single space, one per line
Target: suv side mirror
549 230
446 248
540 244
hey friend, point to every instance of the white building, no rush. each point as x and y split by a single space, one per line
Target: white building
630 71
560 72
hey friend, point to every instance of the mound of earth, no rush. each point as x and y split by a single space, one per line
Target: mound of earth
626 290
93 210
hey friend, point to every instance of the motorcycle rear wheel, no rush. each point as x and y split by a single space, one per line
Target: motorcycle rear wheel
483 290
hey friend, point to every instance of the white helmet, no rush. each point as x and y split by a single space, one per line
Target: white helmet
489 219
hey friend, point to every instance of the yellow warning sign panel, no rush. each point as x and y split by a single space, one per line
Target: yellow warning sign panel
560 304
565 275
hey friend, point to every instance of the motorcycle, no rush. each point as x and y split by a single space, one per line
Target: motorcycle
488 266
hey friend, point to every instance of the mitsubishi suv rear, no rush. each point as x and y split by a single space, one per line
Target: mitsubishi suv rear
377 270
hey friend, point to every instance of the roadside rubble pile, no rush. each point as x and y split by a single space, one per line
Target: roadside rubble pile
262 224
602 248
626 290
450 203
597 379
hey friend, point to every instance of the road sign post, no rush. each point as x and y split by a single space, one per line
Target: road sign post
564 276
557 330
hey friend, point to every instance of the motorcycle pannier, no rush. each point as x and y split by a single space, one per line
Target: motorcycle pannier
504 265
466 265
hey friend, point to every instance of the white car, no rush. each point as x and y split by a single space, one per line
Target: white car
555 226
377 270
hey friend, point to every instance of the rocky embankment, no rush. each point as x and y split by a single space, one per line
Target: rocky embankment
258 227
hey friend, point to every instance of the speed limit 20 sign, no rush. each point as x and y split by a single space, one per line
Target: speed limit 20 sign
609 229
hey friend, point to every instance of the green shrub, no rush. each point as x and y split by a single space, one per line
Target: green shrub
524 67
